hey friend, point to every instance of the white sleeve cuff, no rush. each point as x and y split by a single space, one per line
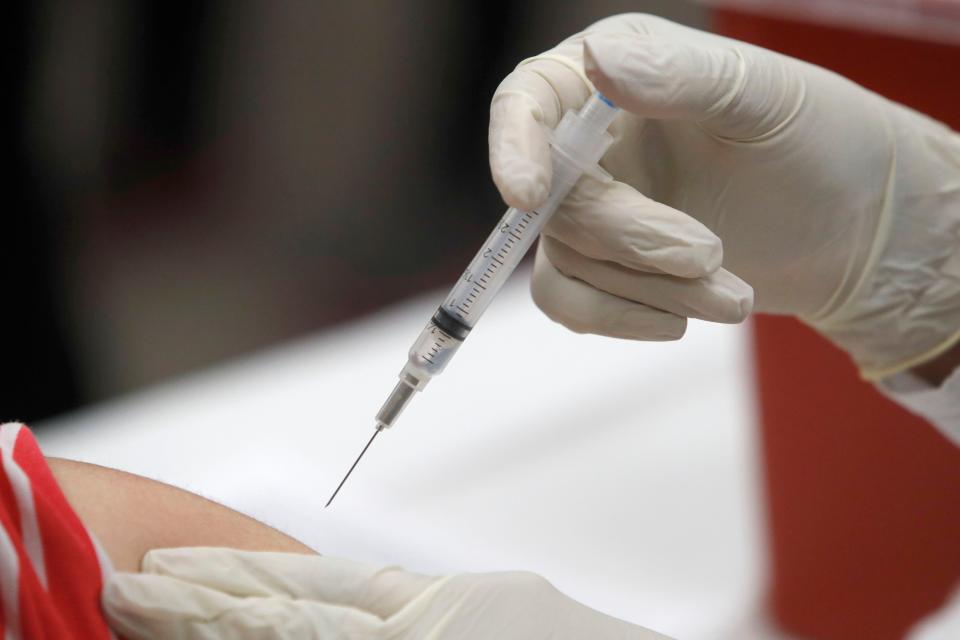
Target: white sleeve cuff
940 405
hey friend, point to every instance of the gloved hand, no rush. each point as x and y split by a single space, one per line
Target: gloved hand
224 593
835 204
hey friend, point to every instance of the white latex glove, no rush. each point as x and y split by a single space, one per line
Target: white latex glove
223 593
835 204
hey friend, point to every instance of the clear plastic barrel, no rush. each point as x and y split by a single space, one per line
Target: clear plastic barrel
578 142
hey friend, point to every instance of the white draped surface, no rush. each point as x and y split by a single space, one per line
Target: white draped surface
624 472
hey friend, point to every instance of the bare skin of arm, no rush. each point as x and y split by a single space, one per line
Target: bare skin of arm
130 515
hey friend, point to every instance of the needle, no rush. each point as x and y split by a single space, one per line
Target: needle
352 466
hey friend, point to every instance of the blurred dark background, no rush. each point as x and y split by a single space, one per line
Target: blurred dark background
194 181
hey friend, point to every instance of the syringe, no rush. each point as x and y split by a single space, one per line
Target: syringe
577 144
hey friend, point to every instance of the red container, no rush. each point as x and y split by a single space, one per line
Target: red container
863 499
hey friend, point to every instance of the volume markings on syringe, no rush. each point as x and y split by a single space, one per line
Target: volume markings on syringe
439 341
461 305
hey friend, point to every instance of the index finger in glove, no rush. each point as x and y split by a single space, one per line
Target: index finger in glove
585 309
380 590
144 606
719 297
612 221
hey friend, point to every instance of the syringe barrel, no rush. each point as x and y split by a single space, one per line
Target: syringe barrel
577 144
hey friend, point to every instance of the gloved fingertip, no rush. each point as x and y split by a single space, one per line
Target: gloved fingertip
600 58
746 304
118 584
740 294
111 589
520 159
522 184
592 47
126 594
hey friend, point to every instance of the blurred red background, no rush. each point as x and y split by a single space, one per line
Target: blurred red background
863 499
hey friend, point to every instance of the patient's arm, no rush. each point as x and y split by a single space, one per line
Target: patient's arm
131 514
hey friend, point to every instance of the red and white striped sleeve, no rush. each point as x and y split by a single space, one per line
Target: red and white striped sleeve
51 568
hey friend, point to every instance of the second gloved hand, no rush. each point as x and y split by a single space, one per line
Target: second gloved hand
207 593
833 203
